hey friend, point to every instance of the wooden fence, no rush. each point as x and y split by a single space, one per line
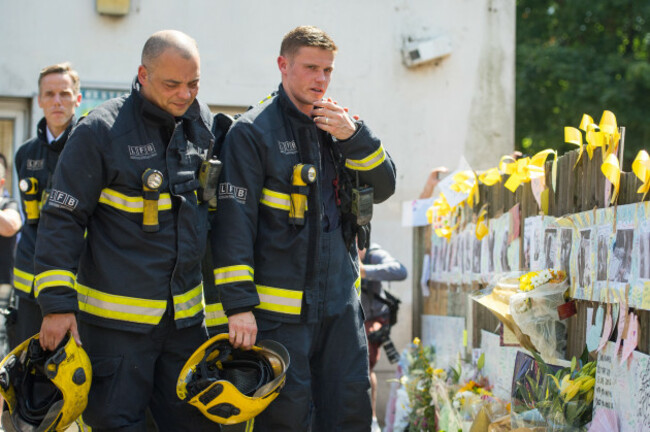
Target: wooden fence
577 190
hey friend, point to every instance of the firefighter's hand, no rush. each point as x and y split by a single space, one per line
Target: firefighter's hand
332 118
54 329
242 330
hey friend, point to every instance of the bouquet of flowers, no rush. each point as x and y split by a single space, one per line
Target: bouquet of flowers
534 310
417 381
560 399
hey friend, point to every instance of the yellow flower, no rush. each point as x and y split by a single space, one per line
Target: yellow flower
468 387
416 341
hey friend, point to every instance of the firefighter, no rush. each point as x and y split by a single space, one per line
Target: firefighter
58 96
121 240
10 224
299 179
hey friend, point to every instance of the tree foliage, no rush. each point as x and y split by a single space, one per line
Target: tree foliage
582 56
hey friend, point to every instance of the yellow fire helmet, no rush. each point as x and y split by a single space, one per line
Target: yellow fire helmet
230 385
44 390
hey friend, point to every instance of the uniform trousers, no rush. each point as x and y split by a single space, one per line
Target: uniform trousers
135 371
327 383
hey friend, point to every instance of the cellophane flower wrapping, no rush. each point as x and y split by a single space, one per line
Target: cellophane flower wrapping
534 310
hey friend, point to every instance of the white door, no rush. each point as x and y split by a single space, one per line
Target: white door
14 130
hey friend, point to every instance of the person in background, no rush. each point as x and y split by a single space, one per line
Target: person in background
10 223
58 96
376 266
432 181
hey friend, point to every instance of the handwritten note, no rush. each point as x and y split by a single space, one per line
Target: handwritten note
414 213
624 388
446 335
499 364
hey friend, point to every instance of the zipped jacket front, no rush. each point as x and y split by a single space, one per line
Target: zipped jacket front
93 255
262 259
35 160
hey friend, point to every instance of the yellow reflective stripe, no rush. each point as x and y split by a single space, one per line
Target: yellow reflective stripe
23 281
215 315
131 204
357 285
53 278
236 273
276 200
279 300
369 162
142 311
188 304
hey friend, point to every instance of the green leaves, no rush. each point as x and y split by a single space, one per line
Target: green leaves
581 56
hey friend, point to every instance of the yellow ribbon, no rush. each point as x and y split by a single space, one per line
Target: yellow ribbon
536 166
481 226
446 232
609 127
585 122
506 164
466 182
641 168
430 215
441 205
442 209
612 172
524 169
439 208
573 136
518 171
490 177
605 134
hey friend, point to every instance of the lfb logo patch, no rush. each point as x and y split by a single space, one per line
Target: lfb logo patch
35 164
229 191
287 147
146 151
63 200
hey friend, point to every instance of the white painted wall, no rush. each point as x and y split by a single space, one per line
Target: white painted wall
427 116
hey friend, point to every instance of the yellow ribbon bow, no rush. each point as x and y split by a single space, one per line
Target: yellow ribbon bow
609 127
444 232
605 134
466 182
641 168
573 136
612 172
441 209
518 170
524 169
490 177
481 226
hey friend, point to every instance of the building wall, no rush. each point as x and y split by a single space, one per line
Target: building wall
427 116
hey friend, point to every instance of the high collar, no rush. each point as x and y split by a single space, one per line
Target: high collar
291 109
156 115
56 145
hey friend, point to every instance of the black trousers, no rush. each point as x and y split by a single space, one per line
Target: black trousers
28 320
328 387
133 372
